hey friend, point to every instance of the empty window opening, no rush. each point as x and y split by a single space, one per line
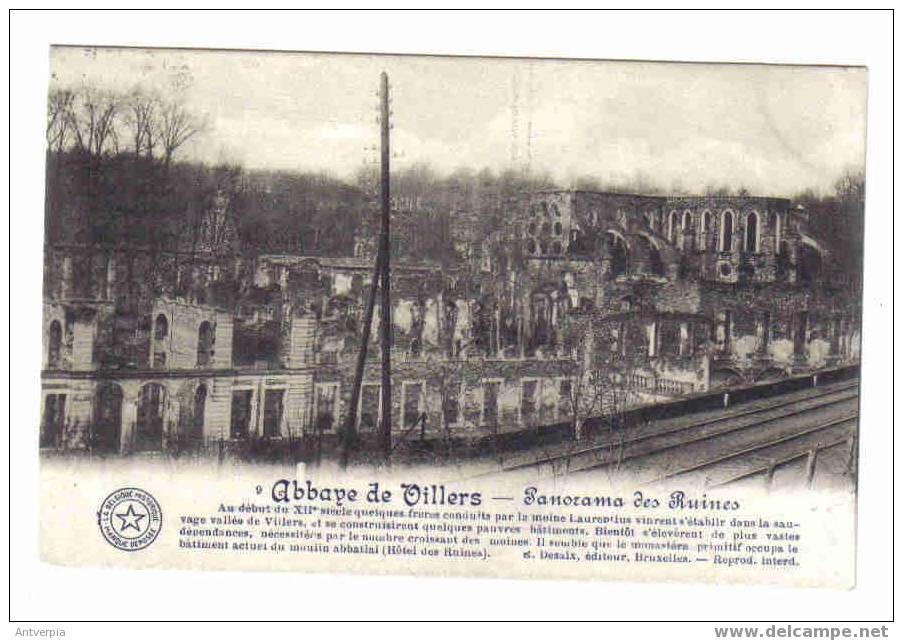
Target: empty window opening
200 410
107 418
240 425
149 426
727 231
413 403
54 344
451 404
370 407
206 339
272 412
752 233
490 413
52 427
528 401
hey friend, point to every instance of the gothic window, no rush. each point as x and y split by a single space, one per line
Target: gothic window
751 243
727 231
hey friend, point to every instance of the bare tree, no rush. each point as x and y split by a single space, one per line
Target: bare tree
176 126
141 115
93 121
59 116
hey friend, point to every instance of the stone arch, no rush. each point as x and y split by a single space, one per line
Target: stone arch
107 425
672 226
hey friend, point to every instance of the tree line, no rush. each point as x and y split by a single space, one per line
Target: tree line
100 122
114 177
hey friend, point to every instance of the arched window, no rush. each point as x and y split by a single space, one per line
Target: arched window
687 221
546 228
557 229
544 207
542 247
672 227
751 241
161 328
54 344
531 228
727 230
555 210
556 247
531 246
206 338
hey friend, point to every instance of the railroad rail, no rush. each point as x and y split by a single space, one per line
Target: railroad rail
714 436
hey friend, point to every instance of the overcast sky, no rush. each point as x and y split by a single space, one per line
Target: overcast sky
774 130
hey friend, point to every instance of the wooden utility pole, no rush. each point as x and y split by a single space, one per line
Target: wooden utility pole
351 419
380 275
386 306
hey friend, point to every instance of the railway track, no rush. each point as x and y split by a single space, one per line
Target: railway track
689 444
764 458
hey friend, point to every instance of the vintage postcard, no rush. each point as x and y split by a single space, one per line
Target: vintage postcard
462 316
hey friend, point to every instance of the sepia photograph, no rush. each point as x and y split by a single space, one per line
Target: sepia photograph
588 268
504 316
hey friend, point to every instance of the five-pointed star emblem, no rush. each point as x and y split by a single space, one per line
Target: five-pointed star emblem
130 518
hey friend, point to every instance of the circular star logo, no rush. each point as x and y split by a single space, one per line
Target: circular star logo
130 519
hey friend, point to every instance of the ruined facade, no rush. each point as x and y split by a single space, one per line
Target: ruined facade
581 304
